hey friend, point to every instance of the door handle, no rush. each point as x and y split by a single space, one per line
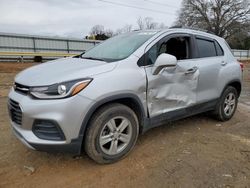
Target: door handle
192 70
223 63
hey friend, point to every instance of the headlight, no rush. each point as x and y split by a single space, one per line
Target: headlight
60 90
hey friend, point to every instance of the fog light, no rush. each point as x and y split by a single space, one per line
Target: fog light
47 130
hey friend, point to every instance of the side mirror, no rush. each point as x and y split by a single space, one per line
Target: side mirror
162 61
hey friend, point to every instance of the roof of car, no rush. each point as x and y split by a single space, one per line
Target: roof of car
193 31
183 30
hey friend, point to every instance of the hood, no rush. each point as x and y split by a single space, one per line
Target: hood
61 70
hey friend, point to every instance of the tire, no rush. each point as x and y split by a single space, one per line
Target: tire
223 113
105 132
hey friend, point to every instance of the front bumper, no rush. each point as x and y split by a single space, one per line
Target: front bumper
68 113
73 147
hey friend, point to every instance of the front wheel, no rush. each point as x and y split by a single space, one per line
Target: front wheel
111 134
227 104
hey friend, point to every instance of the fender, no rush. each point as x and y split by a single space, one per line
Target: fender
94 107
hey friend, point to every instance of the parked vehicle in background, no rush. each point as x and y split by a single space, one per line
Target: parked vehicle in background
102 99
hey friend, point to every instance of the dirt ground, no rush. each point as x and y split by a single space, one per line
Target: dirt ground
194 152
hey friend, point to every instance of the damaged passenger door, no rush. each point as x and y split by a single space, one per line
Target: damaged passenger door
171 87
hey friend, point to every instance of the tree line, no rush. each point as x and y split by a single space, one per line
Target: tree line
98 32
229 19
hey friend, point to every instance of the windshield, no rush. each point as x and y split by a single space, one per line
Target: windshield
118 47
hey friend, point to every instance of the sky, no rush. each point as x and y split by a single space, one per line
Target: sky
75 18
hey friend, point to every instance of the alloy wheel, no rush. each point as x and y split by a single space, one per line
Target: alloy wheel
115 135
229 104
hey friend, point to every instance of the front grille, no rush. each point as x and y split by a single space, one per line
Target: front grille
15 112
21 88
48 130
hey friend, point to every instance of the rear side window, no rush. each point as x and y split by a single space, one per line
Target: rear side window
219 49
206 48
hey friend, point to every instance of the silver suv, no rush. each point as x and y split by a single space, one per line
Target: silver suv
101 100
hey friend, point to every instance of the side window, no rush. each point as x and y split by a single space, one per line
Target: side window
152 54
206 48
176 46
219 49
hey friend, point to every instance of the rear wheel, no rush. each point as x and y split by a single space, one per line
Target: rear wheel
112 133
227 104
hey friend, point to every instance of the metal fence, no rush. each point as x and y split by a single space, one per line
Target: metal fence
56 46
241 54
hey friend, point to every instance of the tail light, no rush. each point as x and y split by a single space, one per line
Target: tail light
241 66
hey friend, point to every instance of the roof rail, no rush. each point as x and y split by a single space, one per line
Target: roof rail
193 28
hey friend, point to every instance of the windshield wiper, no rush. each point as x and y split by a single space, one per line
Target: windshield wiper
93 58
80 55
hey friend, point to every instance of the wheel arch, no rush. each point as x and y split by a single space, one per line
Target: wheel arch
130 100
236 84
